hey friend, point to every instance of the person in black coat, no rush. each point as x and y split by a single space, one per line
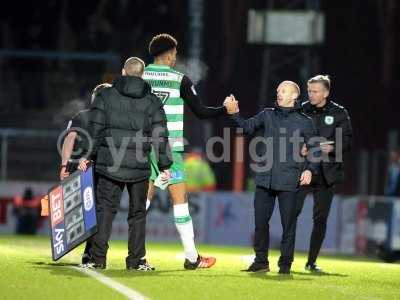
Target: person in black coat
332 122
281 170
73 148
125 120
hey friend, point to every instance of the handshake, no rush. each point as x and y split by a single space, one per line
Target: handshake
231 105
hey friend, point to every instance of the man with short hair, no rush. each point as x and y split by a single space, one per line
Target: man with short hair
125 120
286 130
175 90
332 121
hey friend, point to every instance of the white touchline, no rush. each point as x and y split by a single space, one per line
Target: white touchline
247 258
127 292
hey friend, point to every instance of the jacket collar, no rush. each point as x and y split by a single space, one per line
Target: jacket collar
312 108
296 107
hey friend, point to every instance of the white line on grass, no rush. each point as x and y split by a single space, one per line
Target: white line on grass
127 292
247 258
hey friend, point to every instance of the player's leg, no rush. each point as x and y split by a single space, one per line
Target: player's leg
183 220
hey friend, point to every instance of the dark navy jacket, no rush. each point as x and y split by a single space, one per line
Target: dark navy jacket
276 167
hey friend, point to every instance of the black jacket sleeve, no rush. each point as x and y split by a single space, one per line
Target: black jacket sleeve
189 95
312 162
159 132
96 124
252 124
347 133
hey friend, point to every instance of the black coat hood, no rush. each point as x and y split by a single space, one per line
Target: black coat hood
132 86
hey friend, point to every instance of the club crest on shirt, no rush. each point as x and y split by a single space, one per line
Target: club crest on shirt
177 175
329 120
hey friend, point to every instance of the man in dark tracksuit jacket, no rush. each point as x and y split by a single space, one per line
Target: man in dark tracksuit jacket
125 120
332 123
278 176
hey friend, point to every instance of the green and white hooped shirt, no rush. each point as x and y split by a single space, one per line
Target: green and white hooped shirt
166 83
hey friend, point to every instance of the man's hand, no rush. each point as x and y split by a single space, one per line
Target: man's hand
162 179
83 164
305 178
326 148
63 173
165 176
304 150
231 105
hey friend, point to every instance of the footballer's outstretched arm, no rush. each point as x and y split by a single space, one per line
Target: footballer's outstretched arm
189 95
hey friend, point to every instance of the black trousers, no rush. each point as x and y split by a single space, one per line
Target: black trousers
264 203
323 195
108 198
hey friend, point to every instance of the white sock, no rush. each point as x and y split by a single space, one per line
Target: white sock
184 225
147 204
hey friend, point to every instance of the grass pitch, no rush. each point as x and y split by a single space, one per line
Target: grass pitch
27 272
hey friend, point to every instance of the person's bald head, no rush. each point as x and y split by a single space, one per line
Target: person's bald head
287 93
133 66
292 85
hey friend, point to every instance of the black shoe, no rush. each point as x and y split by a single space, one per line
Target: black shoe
257 267
86 258
284 270
142 266
93 265
312 268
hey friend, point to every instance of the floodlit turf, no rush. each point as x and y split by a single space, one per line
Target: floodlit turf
27 272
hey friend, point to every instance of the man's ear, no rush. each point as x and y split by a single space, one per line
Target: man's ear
326 94
169 56
123 72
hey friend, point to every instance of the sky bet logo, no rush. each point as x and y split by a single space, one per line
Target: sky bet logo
58 242
56 207
57 220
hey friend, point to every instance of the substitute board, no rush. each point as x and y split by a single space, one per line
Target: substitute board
72 207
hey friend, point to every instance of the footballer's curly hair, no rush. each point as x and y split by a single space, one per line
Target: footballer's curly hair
161 43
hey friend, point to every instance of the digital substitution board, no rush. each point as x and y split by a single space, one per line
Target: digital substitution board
72 207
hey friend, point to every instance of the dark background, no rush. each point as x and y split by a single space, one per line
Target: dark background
360 54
